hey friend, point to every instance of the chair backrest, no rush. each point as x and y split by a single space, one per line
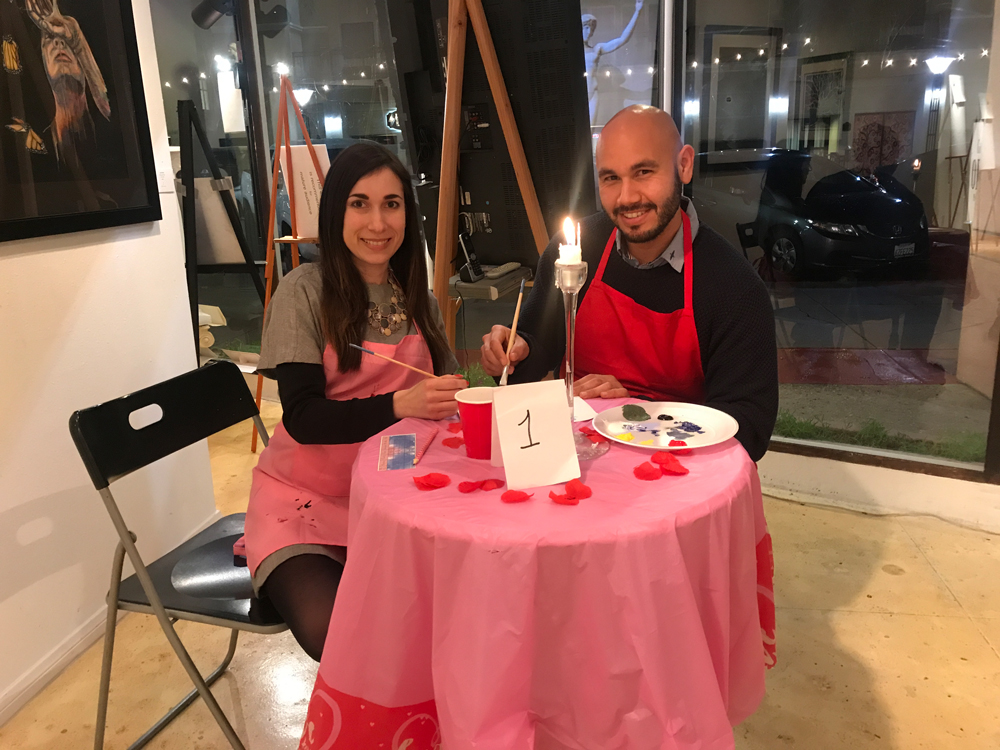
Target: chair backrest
194 405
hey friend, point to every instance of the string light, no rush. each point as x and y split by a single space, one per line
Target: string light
808 40
888 63
167 84
281 69
362 74
274 90
739 56
961 55
607 73
986 53
864 63
628 72
784 46
650 70
184 80
694 64
325 87
344 82
716 61
381 66
913 61
760 52
203 76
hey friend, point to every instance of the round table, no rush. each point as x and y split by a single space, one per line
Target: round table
640 618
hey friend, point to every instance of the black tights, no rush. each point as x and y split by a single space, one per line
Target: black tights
302 589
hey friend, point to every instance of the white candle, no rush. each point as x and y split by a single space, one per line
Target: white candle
570 251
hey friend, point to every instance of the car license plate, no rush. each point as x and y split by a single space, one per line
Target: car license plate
905 250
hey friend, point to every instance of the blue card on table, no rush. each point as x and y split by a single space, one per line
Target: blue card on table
397 452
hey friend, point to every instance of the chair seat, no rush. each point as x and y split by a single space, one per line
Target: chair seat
200 581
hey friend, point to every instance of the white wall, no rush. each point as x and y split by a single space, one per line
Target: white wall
84 318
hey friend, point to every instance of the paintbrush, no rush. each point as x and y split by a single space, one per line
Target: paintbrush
513 334
396 361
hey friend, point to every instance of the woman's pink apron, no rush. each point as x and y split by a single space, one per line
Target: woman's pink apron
299 493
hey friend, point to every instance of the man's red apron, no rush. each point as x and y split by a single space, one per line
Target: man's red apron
656 356
299 492
652 354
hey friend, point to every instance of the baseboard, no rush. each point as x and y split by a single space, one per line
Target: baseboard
880 491
50 666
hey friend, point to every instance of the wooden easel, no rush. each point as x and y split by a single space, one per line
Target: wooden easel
459 11
283 139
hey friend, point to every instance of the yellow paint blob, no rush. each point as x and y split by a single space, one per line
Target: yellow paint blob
628 437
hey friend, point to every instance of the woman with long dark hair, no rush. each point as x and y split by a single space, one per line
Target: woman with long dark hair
369 288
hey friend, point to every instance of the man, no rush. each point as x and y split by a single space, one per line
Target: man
670 310
593 53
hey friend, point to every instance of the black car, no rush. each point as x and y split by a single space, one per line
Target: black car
815 214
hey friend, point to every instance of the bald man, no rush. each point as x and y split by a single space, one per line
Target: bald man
670 310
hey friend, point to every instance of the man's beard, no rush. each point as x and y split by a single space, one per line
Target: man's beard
664 215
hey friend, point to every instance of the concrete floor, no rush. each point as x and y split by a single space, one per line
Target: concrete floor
888 638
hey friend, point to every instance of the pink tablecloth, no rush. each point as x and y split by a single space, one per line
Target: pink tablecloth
628 621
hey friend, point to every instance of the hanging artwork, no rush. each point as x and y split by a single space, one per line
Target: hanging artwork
75 151
882 139
822 102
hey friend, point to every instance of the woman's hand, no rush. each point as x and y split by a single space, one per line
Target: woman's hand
433 398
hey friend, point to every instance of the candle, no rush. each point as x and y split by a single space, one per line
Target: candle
570 251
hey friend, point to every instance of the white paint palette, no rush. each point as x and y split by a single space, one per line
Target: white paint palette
654 424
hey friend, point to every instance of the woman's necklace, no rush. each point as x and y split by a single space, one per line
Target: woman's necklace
388 317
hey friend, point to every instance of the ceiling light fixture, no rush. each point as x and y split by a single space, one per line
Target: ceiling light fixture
281 69
938 65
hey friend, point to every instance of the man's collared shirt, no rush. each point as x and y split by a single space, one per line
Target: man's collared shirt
674 254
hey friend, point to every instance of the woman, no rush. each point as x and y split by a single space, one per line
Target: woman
369 288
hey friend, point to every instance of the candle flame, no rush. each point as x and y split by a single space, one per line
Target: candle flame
569 231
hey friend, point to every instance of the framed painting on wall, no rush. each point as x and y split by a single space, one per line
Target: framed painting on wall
822 102
75 150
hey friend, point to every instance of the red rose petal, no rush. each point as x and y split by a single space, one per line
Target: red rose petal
455 427
680 443
594 435
564 499
492 484
468 487
453 442
432 481
661 457
515 496
673 466
647 472
576 488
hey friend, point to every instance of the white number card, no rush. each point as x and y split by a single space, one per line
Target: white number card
532 423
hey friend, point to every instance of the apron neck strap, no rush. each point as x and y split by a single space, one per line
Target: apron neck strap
688 264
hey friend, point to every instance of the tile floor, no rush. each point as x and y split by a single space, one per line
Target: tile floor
888 637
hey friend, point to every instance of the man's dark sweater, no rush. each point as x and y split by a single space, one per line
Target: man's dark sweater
732 313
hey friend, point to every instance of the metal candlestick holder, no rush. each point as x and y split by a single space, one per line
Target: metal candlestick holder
570 278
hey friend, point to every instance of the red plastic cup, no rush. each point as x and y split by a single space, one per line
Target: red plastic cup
475 407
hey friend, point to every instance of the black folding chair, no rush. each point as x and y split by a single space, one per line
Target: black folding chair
199 580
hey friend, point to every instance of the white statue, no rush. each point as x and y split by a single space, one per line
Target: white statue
593 53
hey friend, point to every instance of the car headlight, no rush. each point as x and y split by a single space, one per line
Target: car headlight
846 229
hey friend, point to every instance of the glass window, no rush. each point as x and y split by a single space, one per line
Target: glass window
844 148
199 60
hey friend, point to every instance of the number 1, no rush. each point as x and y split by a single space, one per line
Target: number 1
528 420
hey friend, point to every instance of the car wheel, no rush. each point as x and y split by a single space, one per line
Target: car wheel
785 249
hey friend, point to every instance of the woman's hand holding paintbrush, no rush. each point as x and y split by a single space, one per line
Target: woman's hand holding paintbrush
433 398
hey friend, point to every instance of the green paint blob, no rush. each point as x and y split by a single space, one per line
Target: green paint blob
634 413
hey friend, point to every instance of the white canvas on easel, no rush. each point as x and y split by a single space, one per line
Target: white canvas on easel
307 184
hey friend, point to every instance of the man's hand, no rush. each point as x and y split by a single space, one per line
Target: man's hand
494 351
599 386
